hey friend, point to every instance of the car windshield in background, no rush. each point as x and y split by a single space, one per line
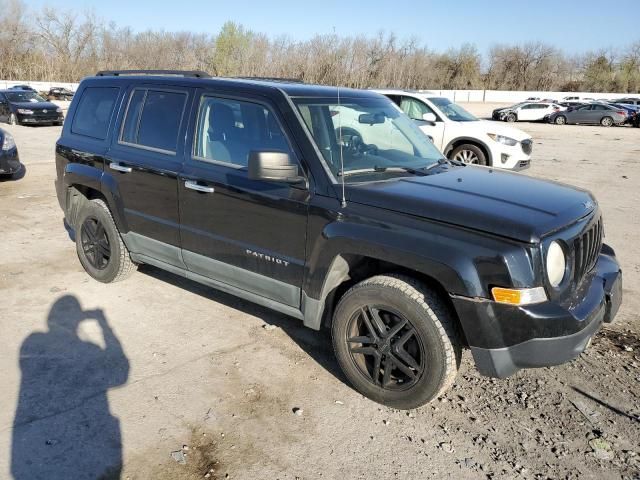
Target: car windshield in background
24 96
453 111
370 136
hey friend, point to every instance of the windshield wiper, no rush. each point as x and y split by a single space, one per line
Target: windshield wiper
380 169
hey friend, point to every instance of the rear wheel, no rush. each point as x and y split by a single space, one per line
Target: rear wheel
561 120
394 340
468 153
606 121
99 245
511 118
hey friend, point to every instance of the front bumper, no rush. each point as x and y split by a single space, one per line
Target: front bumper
40 120
9 162
504 339
510 157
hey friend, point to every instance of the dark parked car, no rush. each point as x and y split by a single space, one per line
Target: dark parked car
21 107
250 187
25 88
591 113
60 93
9 159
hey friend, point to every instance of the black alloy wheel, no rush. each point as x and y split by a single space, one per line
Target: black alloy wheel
95 243
386 348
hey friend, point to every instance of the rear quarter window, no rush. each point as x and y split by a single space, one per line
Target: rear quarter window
94 111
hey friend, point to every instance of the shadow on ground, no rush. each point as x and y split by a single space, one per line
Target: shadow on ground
63 427
316 344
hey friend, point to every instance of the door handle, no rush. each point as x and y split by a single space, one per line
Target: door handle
119 168
191 185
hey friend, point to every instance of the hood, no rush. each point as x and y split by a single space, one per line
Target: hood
497 202
481 128
38 105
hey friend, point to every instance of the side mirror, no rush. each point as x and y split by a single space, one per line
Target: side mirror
429 117
273 166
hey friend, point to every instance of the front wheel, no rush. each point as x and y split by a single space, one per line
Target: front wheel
511 118
12 119
468 153
395 341
99 245
561 120
606 121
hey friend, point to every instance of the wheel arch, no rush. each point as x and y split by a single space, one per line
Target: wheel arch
84 183
456 142
348 269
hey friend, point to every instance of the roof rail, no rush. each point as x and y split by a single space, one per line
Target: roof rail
180 73
272 79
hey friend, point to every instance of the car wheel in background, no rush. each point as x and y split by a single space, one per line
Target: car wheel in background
511 118
560 120
606 121
99 245
12 119
395 341
468 153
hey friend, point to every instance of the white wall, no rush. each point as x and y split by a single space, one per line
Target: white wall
494 96
500 96
39 86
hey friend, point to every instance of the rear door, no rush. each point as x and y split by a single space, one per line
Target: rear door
239 232
144 162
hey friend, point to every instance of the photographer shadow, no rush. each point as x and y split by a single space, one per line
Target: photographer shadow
63 427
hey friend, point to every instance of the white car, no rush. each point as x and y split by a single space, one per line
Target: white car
461 136
526 111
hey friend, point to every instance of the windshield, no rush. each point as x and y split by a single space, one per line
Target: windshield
453 111
24 96
370 135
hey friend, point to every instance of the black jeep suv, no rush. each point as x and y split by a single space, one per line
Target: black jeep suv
329 205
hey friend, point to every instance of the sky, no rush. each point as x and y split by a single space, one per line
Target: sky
574 26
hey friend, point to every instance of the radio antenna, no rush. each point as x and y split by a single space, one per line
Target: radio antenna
343 204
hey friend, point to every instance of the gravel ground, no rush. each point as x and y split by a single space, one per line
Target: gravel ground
189 382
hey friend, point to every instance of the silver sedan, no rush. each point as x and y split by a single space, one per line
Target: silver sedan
592 113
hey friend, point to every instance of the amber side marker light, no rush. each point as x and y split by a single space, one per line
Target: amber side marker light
519 296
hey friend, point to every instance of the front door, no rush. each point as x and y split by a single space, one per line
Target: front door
243 233
144 161
415 109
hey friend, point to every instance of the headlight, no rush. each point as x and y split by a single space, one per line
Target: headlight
9 143
556 264
25 111
58 110
502 139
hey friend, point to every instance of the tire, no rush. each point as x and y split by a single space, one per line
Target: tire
426 335
606 121
560 120
468 153
13 120
511 118
99 245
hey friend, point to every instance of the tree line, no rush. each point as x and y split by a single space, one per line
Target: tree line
64 46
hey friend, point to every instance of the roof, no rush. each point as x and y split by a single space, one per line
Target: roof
266 87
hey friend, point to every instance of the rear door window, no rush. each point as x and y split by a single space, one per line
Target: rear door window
153 119
94 111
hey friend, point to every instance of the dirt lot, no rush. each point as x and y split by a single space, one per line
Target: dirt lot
131 372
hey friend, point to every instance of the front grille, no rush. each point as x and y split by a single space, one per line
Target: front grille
527 146
587 248
524 163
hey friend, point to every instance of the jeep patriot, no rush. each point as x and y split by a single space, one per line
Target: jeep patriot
251 187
